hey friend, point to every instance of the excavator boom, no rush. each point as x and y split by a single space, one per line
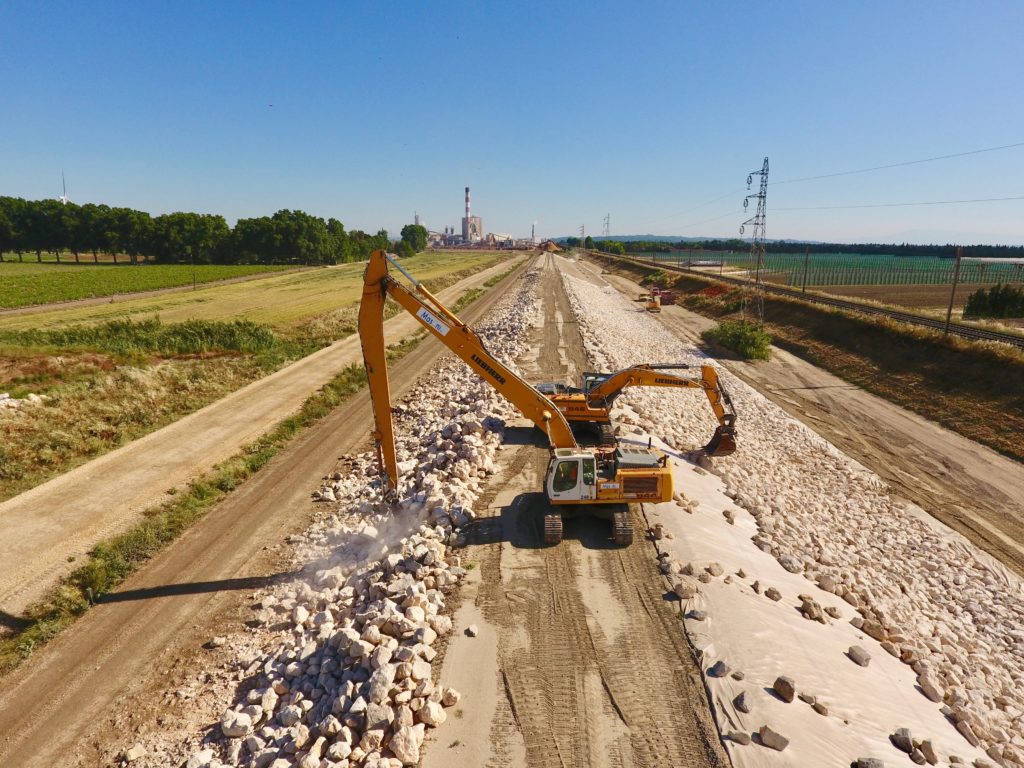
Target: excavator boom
378 284
602 480
599 392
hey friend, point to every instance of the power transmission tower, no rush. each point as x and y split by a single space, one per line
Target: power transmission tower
606 231
583 235
757 239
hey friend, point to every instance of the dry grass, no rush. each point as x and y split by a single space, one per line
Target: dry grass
103 391
284 302
99 410
975 389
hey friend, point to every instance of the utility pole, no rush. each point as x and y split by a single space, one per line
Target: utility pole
952 293
758 237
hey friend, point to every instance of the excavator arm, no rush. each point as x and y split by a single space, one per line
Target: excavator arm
602 392
462 340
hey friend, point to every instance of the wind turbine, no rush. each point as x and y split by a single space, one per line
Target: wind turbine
64 198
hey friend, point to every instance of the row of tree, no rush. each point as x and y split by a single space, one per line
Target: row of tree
796 246
998 301
287 237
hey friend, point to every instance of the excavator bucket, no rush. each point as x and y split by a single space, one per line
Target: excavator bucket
723 442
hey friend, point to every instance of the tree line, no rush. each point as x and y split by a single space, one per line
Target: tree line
797 246
998 301
287 237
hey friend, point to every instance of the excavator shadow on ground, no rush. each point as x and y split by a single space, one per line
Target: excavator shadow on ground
521 524
197 588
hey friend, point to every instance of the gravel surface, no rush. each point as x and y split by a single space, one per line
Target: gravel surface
930 598
335 669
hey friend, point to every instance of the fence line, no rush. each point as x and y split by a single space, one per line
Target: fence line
853 269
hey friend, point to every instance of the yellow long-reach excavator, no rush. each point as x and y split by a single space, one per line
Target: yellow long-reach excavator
592 402
602 480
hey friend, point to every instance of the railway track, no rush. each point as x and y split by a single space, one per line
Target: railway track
964 331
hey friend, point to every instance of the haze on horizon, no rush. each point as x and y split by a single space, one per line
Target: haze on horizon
554 113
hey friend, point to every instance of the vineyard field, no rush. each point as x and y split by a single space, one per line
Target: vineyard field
23 285
854 269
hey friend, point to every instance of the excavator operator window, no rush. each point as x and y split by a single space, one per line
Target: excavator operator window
566 475
588 471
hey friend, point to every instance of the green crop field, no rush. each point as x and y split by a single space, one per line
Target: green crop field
285 301
856 269
23 285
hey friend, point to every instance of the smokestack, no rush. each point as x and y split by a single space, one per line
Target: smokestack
467 203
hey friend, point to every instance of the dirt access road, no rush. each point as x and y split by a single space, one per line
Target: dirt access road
43 530
972 489
580 660
77 702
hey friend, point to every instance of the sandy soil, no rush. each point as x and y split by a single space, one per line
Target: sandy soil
972 489
562 671
124 663
43 529
764 639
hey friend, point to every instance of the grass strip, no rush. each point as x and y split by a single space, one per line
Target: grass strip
493 281
31 284
747 339
130 338
112 561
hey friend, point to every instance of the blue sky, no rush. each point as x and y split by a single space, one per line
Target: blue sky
552 112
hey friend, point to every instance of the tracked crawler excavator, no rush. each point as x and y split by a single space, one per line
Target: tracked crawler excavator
592 402
602 480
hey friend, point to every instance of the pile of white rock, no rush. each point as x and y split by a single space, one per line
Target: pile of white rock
347 679
353 684
928 598
8 403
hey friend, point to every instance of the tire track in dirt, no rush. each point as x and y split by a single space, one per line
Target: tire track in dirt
593 663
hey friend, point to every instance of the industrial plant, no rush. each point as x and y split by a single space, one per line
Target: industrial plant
471 234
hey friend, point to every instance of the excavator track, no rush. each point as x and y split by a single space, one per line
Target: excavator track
622 523
552 527
606 434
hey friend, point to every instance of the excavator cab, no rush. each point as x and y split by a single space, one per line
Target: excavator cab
571 477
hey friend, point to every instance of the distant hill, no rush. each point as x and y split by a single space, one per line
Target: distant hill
676 239
648 238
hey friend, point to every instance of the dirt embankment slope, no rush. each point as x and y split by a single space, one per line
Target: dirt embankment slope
969 387
967 486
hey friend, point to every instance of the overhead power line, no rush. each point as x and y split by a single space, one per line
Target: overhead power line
899 205
900 165
728 215
847 173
